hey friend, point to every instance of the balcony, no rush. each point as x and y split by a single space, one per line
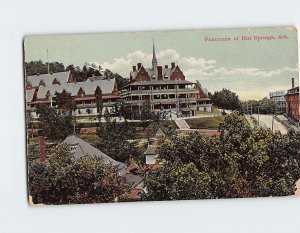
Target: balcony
159 91
164 101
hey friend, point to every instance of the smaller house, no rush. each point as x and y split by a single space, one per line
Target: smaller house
135 178
80 148
151 154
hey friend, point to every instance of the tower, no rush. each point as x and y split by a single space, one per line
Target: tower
154 60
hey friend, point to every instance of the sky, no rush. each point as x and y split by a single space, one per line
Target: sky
217 58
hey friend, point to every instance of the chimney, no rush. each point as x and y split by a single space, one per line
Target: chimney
159 73
134 68
42 149
173 65
166 66
139 65
293 82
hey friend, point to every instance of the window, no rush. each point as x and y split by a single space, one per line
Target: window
73 148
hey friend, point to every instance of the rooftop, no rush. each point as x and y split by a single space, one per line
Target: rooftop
61 77
80 148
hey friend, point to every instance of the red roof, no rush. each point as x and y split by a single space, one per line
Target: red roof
134 194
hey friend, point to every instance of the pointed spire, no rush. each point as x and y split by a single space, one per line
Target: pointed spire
154 60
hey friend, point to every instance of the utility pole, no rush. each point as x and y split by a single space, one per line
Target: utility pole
48 63
273 122
258 114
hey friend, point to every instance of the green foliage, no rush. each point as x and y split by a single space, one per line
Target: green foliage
55 125
226 99
114 140
177 181
79 74
106 115
65 101
99 101
264 106
146 111
125 111
240 163
121 82
38 67
66 180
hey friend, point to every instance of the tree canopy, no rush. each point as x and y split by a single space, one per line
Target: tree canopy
115 140
79 73
226 99
65 101
66 180
264 106
240 163
55 125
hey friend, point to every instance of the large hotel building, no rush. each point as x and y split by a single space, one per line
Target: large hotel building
165 89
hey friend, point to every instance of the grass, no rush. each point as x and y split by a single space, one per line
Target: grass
205 122
214 111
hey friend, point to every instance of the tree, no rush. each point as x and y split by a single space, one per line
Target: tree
67 180
65 101
241 162
114 140
55 125
125 111
106 115
265 105
38 67
146 111
177 181
99 101
226 99
121 82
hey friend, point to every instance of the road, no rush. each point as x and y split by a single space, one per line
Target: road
266 121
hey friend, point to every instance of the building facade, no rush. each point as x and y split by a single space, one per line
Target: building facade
279 98
41 89
164 89
292 104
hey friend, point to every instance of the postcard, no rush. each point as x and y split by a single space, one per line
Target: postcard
162 115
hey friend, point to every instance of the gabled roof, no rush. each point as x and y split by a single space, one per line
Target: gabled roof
133 180
166 72
83 148
29 95
61 77
151 150
89 88
159 133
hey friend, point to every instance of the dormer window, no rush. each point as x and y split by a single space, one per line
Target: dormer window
42 83
47 96
55 81
81 92
73 148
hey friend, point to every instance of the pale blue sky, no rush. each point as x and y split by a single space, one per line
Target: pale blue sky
251 68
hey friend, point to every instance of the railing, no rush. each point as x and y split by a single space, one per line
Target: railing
158 91
94 105
164 101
